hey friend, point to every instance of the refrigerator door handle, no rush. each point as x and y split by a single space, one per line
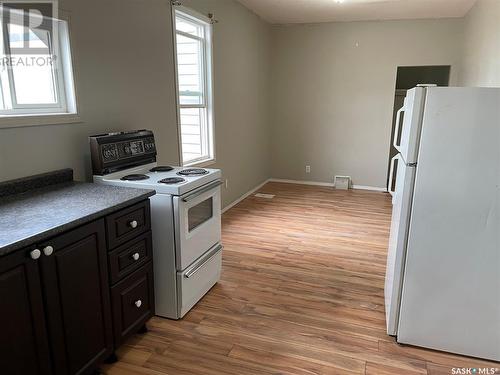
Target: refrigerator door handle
397 129
391 175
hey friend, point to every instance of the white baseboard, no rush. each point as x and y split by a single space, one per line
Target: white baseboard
299 182
247 194
330 184
371 188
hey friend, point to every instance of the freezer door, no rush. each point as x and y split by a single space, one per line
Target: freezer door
401 202
451 288
408 125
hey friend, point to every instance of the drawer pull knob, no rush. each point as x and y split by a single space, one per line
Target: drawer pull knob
48 250
138 303
133 224
136 256
35 254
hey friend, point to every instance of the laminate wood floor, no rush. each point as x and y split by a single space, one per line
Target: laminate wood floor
301 293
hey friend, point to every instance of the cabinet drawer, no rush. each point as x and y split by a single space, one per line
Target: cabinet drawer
133 302
128 223
129 257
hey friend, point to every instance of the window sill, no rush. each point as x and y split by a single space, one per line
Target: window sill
38 120
201 164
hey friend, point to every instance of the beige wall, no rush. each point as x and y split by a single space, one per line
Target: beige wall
285 96
125 80
333 93
124 77
242 73
482 45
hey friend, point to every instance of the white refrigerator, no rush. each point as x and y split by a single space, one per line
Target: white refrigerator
442 287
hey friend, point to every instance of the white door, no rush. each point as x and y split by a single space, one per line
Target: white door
408 125
401 201
451 292
197 223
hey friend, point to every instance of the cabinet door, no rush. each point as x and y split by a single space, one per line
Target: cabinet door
23 346
77 298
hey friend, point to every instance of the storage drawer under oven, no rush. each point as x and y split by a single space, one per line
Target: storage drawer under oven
129 257
196 281
133 302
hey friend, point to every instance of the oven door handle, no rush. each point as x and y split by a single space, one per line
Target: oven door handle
201 190
199 266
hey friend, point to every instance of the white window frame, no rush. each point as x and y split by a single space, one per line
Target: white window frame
208 101
64 111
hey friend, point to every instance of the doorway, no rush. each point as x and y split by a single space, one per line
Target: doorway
407 78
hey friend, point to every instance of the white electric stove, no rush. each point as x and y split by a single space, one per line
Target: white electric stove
185 216
172 182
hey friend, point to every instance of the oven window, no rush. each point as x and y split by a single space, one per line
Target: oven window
200 213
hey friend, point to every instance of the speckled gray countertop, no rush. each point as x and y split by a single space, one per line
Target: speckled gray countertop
40 213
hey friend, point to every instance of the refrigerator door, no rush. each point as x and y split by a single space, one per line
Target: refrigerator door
401 200
451 288
408 125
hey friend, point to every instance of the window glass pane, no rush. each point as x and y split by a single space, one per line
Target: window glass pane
35 38
3 106
40 40
33 73
189 27
190 70
193 133
34 84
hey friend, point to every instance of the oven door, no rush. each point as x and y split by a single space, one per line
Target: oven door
197 223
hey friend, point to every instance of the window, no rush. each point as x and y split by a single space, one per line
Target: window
194 86
35 68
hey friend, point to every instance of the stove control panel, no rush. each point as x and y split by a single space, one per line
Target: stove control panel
114 151
109 152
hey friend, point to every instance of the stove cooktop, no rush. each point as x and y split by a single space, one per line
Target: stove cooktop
176 181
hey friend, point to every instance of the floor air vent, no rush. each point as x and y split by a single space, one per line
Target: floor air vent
342 182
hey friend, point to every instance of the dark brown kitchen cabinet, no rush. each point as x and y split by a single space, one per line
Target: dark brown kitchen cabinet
56 316
75 279
24 345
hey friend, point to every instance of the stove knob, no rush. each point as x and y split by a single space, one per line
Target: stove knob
136 256
133 224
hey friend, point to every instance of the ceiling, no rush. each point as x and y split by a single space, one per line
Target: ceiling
313 11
